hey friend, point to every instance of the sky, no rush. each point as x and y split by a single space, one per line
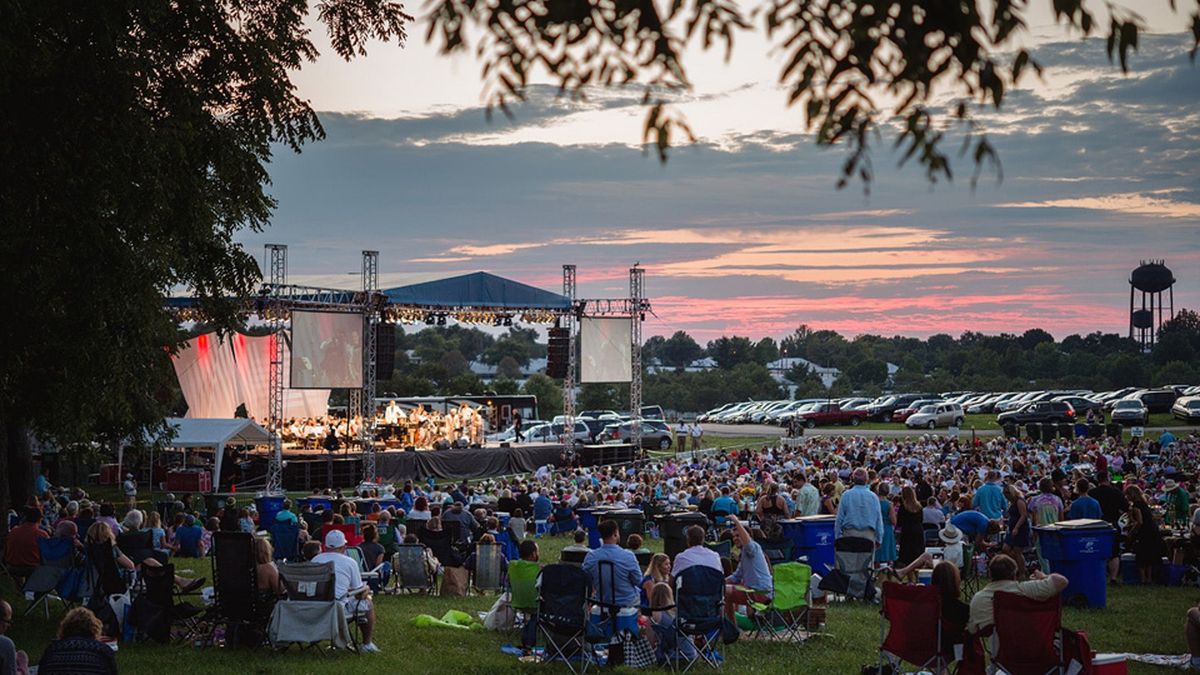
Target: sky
744 232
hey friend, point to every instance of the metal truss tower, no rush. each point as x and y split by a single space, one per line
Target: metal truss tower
569 380
278 318
366 395
637 295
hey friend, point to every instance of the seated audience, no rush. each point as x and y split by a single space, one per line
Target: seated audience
578 543
752 577
21 552
696 553
12 661
666 647
955 612
269 582
1002 571
622 590
350 590
78 649
517 525
657 572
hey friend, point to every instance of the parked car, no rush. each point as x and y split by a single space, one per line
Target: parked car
600 414
1131 412
1081 404
822 414
1042 411
881 409
1156 400
910 409
1187 409
507 433
655 434
936 415
653 412
595 427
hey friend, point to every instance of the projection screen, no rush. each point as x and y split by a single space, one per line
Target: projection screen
326 350
606 350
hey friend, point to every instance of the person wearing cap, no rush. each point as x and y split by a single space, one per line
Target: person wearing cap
129 487
349 588
1177 503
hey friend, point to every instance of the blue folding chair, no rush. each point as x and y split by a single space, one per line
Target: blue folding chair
700 609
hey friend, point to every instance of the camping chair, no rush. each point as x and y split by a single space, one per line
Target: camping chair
154 613
313 520
643 558
374 577
238 604
57 578
853 557
410 570
700 608
101 576
505 539
137 546
562 615
353 538
787 612
572 557
309 614
931 535
913 614
777 551
488 568
440 543
1026 631
285 540
522 583
387 539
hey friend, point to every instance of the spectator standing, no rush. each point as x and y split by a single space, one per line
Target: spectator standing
1017 536
129 488
859 513
1084 505
1144 537
808 501
697 432
1112 505
886 553
989 498
910 518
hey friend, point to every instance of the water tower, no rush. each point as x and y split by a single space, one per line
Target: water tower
1150 279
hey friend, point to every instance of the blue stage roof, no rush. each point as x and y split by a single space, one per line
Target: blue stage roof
478 289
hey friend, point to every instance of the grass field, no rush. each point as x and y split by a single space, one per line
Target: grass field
1144 620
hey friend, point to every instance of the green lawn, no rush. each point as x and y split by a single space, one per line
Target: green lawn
1146 620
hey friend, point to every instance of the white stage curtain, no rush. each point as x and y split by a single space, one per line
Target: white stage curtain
214 384
208 377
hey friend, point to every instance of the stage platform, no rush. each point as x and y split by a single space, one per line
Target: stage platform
309 470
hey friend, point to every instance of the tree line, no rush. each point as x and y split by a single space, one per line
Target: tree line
436 360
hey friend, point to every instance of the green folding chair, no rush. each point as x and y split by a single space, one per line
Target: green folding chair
786 615
522 582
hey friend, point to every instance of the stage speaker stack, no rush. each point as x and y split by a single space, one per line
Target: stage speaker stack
385 350
557 353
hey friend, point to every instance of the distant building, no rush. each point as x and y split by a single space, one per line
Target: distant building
780 368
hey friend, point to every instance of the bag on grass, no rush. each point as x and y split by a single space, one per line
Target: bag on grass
637 650
455 581
501 616
729 632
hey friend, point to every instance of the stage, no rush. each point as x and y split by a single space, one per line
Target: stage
310 470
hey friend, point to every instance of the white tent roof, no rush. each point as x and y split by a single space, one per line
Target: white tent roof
215 433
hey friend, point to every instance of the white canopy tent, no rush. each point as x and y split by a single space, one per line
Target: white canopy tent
216 434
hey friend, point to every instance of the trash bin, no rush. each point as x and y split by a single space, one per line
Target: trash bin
268 506
1079 550
1066 430
1011 430
1114 430
1081 431
1095 430
674 526
1049 431
630 521
1033 431
589 520
812 539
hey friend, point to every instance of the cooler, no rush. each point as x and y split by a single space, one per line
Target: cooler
674 526
589 520
268 506
1079 550
630 521
812 539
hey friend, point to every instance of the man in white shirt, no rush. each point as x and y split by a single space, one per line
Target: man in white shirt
808 502
697 434
696 553
681 435
349 588
129 487
1002 570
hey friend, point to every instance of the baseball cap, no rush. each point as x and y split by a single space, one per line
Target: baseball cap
335 539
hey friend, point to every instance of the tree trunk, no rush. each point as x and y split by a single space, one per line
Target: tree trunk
4 502
16 487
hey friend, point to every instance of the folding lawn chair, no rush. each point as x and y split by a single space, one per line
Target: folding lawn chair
572 557
786 614
562 615
155 613
285 540
310 614
913 614
777 551
505 539
522 586
238 604
410 571
373 577
488 572
699 611
1027 632
853 557
57 578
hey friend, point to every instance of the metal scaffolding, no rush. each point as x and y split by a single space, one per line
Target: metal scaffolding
637 295
569 381
278 317
370 286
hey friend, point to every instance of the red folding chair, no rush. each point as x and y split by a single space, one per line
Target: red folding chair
1026 632
352 537
914 617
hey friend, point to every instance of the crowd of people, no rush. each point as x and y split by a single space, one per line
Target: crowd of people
983 500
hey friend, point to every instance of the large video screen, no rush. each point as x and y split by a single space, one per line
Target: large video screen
606 350
327 350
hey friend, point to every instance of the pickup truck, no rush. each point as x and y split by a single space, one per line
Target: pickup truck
831 413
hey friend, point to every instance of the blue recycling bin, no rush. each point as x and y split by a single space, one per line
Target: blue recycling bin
317 504
812 539
1079 550
589 519
268 506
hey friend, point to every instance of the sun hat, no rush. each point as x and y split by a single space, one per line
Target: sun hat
950 534
1170 485
335 539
